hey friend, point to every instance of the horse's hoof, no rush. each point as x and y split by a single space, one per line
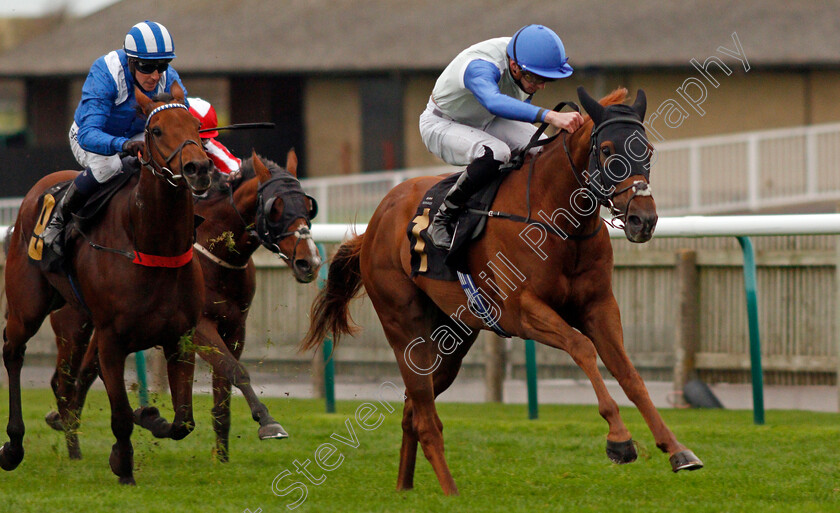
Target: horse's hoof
145 414
273 430
621 452
685 460
127 481
10 458
53 420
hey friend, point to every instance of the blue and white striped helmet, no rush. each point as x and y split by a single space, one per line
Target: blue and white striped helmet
149 40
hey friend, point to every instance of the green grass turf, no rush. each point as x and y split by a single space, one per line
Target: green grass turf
500 460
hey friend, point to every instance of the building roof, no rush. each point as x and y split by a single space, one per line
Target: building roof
346 36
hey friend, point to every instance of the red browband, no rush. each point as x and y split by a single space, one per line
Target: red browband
163 261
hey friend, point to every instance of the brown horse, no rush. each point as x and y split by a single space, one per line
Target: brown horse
153 299
549 280
226 240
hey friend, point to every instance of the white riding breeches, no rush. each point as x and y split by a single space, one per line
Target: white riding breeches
102 167
458 144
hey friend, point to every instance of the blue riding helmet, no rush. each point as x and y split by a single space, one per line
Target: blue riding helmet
149 40
538 50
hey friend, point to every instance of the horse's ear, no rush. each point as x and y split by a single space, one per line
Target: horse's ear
640 105
591 105
292 162
263 174
142 100
177 92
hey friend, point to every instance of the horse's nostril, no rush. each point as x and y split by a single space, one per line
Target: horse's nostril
302 265
634 221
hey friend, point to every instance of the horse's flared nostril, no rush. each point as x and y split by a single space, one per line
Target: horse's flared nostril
634 223
303 265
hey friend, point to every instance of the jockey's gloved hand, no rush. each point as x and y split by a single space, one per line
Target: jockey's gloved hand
133 147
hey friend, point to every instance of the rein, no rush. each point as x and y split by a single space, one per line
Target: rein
517 161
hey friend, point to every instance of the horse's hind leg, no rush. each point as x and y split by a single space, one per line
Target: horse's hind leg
544 325
73 329
442 378
29 299
602 323
406 312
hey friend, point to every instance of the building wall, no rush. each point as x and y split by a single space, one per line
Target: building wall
332 124
823 88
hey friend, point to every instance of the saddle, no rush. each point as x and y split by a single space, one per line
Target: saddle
81 221
440 264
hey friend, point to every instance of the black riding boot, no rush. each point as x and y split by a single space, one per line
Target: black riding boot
476 176
54 231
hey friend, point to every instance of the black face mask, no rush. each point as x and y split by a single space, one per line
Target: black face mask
620 129
295 207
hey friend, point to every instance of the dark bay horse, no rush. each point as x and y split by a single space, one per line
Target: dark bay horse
549 280
153 299
226 240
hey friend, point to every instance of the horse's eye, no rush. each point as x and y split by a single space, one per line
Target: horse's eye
156 132
606 151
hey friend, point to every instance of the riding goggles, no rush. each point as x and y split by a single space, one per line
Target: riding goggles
536 80
149 67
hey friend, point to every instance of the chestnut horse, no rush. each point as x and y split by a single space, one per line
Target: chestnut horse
226 240
547 280
153 299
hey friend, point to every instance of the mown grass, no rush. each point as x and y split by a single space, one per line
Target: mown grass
500 460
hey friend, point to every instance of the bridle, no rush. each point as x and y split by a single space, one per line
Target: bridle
265 229
151 164
593 179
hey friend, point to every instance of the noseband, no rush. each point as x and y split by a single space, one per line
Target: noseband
157 170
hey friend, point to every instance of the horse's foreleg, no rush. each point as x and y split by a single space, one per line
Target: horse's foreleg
226 364
180 368
112 363
602 323
543 324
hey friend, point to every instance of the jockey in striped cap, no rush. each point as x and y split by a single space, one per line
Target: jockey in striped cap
105 122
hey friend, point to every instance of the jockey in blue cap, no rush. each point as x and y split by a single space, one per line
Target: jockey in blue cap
106 121
480 111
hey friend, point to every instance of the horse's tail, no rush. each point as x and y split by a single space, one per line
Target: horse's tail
330 314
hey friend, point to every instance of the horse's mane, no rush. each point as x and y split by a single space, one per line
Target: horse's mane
246 172
163 97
